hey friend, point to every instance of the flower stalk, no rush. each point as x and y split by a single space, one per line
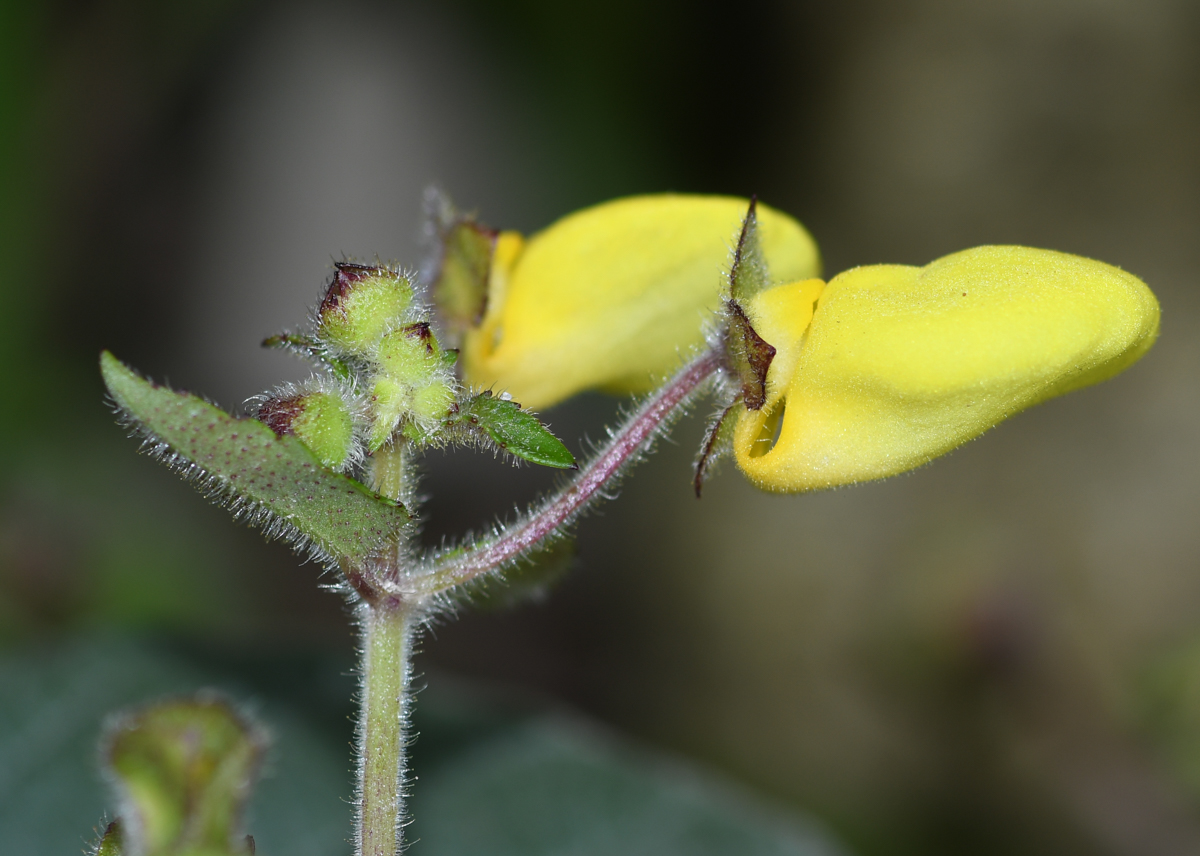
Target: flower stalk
626 445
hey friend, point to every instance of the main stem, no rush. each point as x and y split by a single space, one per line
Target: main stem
388 619
388 624
387 627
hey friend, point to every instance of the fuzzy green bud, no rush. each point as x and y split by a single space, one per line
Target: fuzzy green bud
321 420
363 302
390 401
433 401
410 354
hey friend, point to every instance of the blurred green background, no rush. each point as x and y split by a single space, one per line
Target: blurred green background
997 654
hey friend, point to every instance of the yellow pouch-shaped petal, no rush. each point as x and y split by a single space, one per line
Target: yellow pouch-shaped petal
902 364
611 296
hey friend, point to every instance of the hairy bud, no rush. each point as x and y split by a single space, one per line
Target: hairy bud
362 304
321 420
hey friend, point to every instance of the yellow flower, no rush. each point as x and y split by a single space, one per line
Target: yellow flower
902 364
611 296
878 372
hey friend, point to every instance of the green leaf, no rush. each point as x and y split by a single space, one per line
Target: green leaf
183 769
748 275
274 481
514 430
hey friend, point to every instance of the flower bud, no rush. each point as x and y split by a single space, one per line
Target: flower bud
410 354
902 364
610 296
391 400
363 302
432 401
321 420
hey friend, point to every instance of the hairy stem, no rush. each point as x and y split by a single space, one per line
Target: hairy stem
387 627
627 443
392 473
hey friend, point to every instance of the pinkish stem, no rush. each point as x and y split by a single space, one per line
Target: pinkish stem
634 437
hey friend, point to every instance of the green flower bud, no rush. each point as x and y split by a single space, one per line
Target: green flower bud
321 420
363 302
433 401
390 401
410 354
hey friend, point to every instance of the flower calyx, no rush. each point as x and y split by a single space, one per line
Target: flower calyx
461 266
748 354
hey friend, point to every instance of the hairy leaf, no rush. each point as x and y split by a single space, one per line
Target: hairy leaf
183 769
275 481
514 430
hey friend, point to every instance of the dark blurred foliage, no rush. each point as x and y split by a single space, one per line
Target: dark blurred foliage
997 654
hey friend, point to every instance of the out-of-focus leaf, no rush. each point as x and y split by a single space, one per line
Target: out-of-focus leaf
544 785
514 430
494 777
56 699
183 769
275 481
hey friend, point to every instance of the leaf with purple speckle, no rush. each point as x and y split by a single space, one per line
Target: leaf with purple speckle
275 482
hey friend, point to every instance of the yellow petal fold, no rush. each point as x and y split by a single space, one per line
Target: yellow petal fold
902 364
611 296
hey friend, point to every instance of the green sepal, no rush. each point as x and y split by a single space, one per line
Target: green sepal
183 771
460 285
112 843
514 430
276 480
748 274
750 354
718 442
